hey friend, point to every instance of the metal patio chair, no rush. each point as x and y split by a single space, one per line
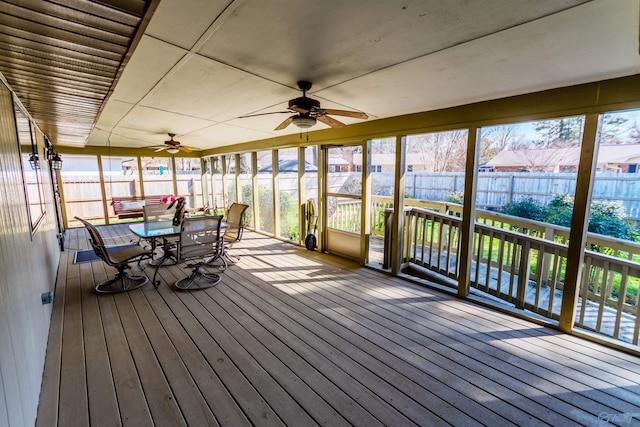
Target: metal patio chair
199 241
119 259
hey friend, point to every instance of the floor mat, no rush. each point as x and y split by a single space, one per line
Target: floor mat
88 255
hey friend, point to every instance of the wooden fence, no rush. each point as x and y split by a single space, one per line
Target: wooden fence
496 189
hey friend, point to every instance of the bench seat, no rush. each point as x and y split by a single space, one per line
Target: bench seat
132 206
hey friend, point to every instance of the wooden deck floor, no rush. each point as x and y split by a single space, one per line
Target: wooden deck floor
298 338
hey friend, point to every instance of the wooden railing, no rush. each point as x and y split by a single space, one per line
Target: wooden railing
520 261
526 267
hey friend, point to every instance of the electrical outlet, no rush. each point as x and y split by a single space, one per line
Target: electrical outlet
47 297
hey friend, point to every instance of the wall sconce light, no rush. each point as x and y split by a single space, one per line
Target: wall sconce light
54 158
56 161
34 161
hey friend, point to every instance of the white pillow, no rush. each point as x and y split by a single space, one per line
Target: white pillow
132 206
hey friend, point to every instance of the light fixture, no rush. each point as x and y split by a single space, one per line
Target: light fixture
34 161
304 121
56 161
172 150
54 158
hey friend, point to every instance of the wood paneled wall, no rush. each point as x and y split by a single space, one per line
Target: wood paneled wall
28 267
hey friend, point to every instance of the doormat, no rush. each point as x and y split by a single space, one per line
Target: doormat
88 255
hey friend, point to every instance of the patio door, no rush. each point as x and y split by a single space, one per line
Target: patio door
343 200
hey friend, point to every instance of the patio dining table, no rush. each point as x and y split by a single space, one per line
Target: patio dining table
153 230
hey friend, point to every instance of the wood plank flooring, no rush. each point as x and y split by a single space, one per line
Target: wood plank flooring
292 337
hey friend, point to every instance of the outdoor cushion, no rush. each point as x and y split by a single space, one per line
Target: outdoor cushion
133 206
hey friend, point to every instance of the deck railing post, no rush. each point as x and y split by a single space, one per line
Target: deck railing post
388 237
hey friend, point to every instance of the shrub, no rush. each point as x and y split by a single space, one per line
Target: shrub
606 217
525 208
456 197
609 218
559 210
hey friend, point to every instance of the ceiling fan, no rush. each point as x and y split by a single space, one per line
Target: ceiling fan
309 112
172 146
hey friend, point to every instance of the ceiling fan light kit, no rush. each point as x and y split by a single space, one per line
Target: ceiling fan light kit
173 147
303 122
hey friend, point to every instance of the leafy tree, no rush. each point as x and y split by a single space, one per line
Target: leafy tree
560 132
634 134
440 151
611 124
495 139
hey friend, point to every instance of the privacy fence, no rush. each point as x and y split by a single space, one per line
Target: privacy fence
496 189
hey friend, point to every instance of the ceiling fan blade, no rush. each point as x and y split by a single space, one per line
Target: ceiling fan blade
284 124
185 148
345 113
330 121
298 110
164 147
264 114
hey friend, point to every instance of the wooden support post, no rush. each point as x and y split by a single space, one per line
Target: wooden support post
467 228
105 203
365 208
397 240
255 184
580 220
225 196
238 181
174 175
546 259
302 196
275 184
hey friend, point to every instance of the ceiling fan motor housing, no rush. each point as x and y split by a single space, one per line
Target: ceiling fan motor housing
304 103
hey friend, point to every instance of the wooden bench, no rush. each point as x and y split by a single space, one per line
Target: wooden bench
131 206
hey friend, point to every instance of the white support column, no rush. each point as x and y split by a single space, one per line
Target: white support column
467 227
580 220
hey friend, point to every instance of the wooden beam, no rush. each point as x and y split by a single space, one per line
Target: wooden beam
397 240
469 211
580 220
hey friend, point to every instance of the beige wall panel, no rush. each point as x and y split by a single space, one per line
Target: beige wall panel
28 268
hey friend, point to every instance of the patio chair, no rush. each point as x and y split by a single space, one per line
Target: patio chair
199 241
235 227
158 213
118 258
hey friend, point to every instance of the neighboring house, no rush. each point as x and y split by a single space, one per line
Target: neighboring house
386 162
611 158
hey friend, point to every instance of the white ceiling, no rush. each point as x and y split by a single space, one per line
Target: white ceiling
203 63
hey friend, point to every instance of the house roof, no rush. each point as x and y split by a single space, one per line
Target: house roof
551 157
195 67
